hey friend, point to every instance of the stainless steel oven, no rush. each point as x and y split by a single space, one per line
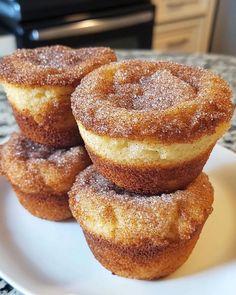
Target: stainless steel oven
129 25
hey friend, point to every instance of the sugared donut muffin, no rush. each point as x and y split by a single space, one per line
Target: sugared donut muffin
39 83
139 236
149 127
42 176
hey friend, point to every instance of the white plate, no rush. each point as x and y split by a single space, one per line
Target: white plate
42 257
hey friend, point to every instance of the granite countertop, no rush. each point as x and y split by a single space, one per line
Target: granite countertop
223 65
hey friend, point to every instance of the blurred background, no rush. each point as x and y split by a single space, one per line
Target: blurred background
182 26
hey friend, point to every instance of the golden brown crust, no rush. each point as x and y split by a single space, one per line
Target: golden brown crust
130 219
47 133
139 236
53 65
45 205
147 263
94 107
38 169
152 178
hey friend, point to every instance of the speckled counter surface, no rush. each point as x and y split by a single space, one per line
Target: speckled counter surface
223 65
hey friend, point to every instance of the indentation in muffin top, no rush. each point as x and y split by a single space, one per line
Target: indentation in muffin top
157 91
29 149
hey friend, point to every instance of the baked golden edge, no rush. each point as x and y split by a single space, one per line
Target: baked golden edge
145 263
48 206
151 179
45 133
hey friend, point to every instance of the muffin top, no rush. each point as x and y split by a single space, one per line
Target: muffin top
120 216
35 168
52 65
164 100
19 148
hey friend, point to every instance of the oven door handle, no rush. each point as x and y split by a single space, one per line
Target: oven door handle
90 26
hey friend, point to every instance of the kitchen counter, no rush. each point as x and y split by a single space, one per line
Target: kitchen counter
223 65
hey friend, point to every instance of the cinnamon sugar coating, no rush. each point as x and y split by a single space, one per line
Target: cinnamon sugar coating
52 65
41 176
37 169
163 100
139 236
130 219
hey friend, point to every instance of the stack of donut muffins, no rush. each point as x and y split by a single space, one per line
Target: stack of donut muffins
148 127
43 159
